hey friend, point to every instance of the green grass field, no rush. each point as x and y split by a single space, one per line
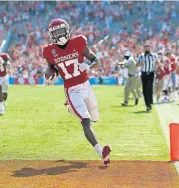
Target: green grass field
36 125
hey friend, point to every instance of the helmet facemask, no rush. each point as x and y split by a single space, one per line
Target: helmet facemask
59 34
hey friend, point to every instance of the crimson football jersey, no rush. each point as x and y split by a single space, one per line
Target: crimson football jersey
160 73
173 62
3 70
170 64
67 60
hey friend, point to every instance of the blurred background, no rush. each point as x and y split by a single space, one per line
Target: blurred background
23 30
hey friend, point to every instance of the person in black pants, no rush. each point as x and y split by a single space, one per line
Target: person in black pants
147 61
147 86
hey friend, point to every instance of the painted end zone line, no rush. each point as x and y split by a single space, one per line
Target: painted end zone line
165 129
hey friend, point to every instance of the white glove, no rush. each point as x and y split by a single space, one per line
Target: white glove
83 67
50 81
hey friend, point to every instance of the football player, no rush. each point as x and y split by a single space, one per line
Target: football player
66 54
5 67
160 72
169 82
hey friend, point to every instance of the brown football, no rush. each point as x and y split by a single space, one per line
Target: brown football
51 72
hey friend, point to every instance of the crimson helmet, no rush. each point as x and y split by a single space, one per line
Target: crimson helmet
59 31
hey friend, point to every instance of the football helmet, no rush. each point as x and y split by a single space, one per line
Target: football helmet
127 55
59 31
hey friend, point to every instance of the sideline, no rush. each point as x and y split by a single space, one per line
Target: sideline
162 113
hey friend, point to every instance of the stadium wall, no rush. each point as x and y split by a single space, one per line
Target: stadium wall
40 81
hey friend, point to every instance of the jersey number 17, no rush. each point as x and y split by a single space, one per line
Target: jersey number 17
63 66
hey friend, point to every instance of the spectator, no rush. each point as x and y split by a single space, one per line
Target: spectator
95 20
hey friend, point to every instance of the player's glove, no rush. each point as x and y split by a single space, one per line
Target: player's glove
50 81
84 67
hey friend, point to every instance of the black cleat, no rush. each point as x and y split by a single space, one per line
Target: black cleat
136 101
125 103
149 108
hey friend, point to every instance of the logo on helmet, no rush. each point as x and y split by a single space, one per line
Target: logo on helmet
59 31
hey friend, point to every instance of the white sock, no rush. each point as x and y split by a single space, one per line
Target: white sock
1 105
99 150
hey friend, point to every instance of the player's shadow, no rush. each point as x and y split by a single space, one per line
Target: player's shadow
70 166
141 112
120 106
103 167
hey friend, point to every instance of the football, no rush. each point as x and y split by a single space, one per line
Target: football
51 72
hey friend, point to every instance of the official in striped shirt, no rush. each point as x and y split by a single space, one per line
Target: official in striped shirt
147 62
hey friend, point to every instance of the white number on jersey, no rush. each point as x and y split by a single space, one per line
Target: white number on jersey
63 66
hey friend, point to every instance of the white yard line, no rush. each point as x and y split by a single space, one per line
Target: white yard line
165 128
143 135
131 141
144 154
139 131
135 149
131 144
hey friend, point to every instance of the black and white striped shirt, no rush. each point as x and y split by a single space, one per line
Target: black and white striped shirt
149 61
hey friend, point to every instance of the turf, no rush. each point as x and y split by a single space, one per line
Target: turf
36 125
